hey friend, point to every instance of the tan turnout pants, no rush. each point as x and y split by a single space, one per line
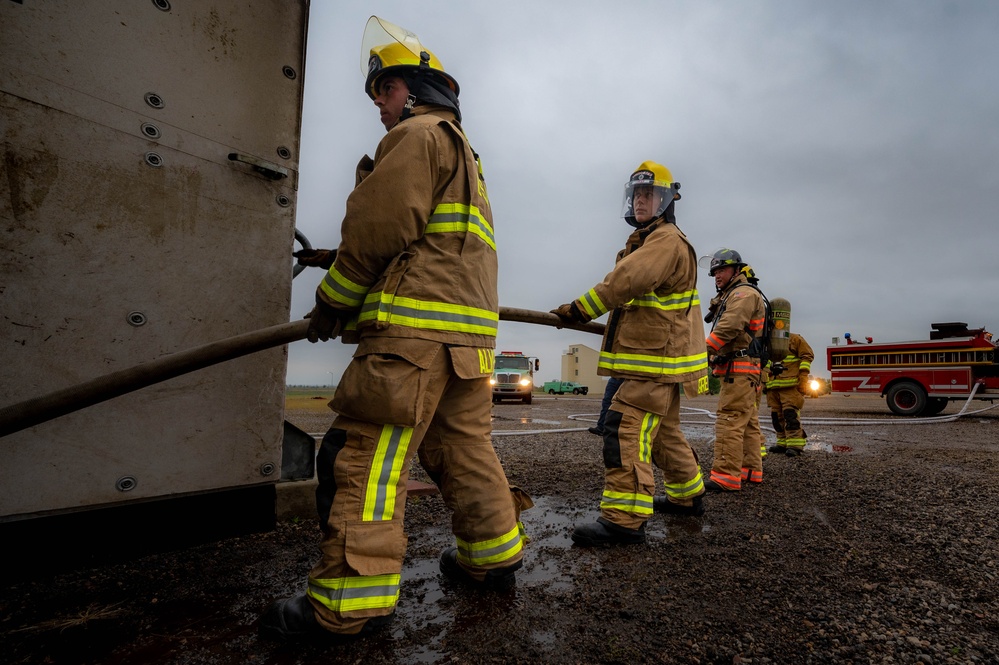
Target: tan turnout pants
785 411
643 427
399 398
737 432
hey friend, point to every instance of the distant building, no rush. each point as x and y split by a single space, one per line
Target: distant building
579 364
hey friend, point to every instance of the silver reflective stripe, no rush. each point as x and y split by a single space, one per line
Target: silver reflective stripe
346 594
383 481
413 313
341 289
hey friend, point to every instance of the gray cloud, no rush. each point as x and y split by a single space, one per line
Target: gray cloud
847 150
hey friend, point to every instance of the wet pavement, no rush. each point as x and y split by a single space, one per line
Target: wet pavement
835 558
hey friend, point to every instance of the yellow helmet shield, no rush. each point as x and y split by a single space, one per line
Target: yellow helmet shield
388 49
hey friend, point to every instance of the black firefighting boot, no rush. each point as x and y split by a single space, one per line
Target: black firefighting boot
498 579
605 532
662 504
290 620
599 431
294 620
712 486
780 450
792 452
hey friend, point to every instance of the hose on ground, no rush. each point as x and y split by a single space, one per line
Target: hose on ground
933 420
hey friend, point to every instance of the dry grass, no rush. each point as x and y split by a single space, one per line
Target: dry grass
85 616
313 400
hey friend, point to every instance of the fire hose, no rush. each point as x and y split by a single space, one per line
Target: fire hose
35 411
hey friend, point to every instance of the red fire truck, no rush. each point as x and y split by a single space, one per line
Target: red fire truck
918 378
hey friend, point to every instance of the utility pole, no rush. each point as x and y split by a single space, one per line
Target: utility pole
331 378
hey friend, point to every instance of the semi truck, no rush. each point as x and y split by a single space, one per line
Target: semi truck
919 378
513 376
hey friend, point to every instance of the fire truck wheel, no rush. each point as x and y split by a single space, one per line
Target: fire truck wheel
906 398
575 391
551 391
528 399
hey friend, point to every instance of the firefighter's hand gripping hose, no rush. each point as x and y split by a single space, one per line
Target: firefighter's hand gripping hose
22 415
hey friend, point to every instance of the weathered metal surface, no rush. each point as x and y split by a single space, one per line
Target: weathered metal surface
127 233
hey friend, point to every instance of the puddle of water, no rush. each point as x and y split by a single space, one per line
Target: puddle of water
545 637
828 447
434 606
525 421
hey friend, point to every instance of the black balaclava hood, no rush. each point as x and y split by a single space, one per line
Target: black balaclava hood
432 90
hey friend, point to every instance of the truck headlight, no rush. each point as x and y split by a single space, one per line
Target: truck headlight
525 382
492 381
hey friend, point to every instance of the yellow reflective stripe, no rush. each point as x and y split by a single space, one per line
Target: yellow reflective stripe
669 301
487 361
639 504
495 550
341 289
346 594
703 386
653 365
782 383
804 366
427 315
383 479
649 424
692 487
461 218
592 304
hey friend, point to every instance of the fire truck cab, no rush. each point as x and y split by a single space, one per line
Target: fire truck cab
918 378
513 376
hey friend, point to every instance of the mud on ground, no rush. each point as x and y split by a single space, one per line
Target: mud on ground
876 546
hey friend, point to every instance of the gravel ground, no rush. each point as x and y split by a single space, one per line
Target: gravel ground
876 546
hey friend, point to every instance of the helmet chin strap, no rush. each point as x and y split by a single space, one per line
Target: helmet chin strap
414 90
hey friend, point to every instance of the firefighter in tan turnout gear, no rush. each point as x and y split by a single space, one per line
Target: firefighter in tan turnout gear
786 391
414 283
737 316
653 342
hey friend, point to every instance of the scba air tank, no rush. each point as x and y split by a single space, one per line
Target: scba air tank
780 335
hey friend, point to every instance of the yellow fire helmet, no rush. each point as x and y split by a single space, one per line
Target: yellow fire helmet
664 189
389 50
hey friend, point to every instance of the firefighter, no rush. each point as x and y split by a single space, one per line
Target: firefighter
786 391
751 278
413 283
653 343
736 318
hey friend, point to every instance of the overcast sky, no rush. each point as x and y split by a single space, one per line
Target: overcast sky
849 150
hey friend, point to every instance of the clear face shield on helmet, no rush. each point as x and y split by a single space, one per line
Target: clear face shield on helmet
646 200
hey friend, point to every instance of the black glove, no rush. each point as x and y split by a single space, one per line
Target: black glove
571 313
317 258
325 322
